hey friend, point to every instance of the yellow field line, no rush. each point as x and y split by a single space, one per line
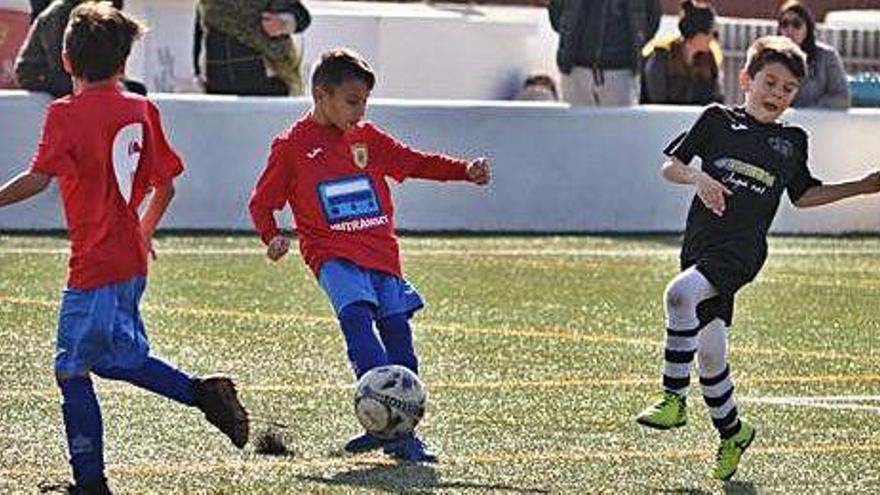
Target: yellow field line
551 334
743 380
524 457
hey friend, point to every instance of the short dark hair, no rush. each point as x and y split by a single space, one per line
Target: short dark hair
98 39
340 65
778 49
542 80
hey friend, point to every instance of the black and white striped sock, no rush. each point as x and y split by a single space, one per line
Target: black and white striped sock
718 394
678 356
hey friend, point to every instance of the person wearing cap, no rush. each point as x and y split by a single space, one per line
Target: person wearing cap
684 69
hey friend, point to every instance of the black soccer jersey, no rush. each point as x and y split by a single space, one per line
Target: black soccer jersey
756 162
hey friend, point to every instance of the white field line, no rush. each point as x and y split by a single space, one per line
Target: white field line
469 252
834 402
540 334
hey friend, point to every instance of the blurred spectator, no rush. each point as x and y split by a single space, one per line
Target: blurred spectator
38 66
825 85
538 87
600 44
248 46
684 69
38 6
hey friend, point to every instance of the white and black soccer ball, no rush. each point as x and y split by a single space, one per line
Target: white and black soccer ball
389 401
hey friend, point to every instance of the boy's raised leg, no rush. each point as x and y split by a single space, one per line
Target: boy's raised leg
216 396
157 376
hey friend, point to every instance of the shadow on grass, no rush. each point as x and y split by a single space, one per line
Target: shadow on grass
740 488
681 491
730 488
407 478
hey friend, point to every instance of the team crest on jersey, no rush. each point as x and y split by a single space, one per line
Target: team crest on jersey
359 154
781 146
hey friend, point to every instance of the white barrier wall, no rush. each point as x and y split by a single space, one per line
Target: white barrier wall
555 168
418 50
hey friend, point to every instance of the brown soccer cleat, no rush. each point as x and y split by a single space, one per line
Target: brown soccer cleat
215 395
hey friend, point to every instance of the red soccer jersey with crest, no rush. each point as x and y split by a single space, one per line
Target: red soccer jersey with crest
335 182
107 149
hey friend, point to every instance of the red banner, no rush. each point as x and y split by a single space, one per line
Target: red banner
13 28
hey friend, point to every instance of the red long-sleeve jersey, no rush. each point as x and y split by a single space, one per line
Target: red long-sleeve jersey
335 183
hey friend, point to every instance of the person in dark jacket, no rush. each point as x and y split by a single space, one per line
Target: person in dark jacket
825 85
245 47
38 65
600 43
684 70
37 6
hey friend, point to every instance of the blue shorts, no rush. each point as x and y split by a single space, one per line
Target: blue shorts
346 283
101 328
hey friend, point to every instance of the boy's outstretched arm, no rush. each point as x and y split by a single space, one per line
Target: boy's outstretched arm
830 193
162 197
710 191
404 162
23 186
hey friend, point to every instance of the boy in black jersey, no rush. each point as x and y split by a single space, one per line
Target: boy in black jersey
748 159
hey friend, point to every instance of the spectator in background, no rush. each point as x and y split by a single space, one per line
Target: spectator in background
538 87
248 46
825 85
38 65
600 44
37 6
684 69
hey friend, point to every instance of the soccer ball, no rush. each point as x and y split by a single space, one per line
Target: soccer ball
389 401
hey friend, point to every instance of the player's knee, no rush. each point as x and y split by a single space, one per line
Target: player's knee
394 324
678 298
63 376
357 313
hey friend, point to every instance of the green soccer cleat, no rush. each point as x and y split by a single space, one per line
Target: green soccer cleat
731 450
670 411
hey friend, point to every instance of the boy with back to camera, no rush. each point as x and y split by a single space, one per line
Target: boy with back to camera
749 158
331 167
108 151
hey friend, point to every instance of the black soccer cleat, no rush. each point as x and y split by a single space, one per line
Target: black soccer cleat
215 395
97 487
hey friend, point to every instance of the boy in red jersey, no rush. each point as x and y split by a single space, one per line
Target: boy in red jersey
331 168
108 150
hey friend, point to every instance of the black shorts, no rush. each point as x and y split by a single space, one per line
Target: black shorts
727 278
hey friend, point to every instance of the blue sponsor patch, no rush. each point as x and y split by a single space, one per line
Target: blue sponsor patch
345 199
